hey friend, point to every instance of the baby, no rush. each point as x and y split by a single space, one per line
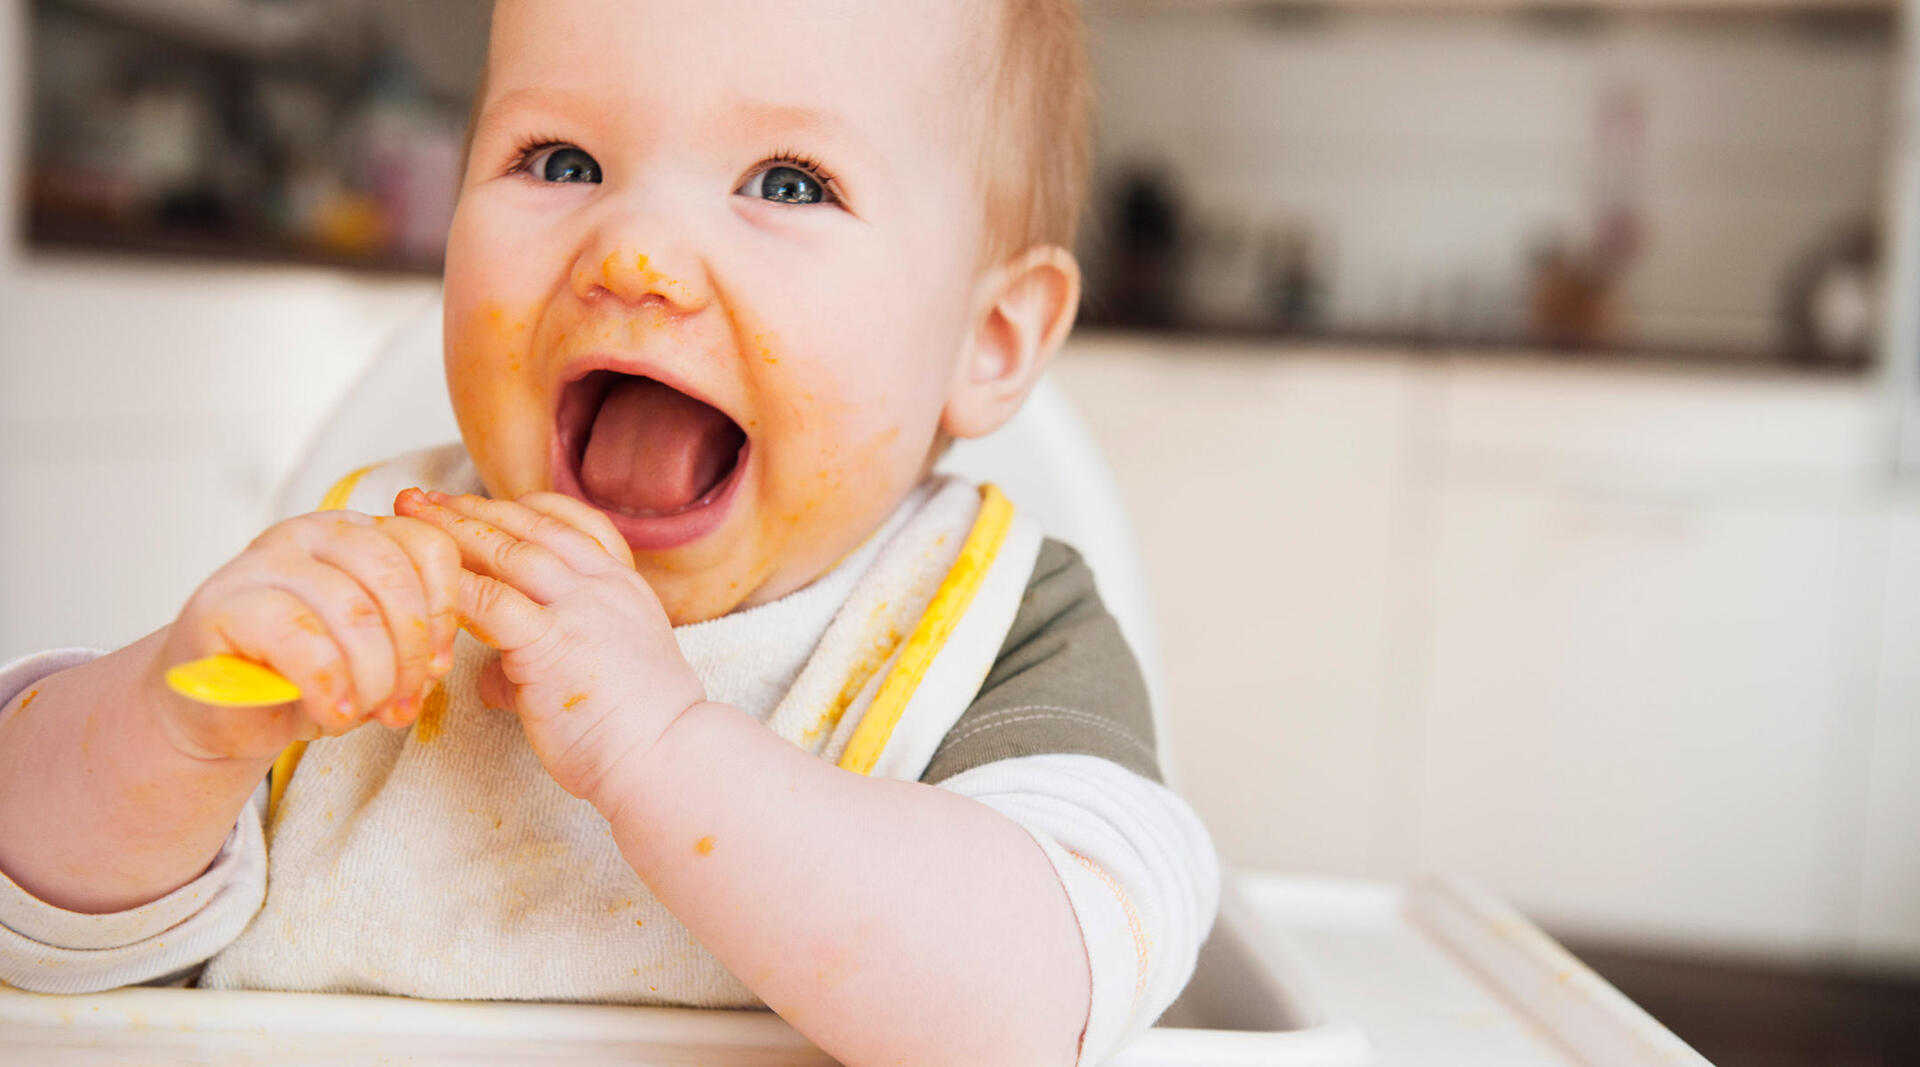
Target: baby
693 684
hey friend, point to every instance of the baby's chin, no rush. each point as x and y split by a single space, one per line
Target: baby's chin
697 596
781 560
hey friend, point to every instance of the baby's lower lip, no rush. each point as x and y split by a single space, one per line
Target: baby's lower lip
661 533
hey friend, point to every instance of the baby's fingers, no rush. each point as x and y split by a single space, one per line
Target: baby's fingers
493 550
585 518
396 633
498 614
277 629
436 559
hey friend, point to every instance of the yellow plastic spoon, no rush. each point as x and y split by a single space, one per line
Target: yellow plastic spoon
231 682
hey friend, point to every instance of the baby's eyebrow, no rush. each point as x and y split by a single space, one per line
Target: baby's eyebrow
534 96
764 118
760 119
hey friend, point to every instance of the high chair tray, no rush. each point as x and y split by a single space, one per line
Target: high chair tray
1299 971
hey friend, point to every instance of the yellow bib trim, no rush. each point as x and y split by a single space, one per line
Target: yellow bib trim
280 775
342 490
289 758
949 604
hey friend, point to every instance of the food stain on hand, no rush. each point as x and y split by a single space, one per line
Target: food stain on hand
433 716
28 699
572 702
479 633
704 846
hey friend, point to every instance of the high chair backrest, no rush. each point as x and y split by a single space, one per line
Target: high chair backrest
1044 459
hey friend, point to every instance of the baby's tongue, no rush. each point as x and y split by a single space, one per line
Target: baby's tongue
656 449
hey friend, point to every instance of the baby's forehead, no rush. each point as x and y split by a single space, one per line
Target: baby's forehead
920 65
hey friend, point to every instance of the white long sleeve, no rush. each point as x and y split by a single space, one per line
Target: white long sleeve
50 950
1139 870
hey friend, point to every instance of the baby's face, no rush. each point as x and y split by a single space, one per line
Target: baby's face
712 272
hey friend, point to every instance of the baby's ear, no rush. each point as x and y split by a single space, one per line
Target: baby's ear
1024 308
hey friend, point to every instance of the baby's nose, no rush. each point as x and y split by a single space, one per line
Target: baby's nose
631 278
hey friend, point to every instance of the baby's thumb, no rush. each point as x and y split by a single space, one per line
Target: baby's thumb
495 690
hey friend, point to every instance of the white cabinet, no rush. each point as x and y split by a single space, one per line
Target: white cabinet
1888 932
1636 714
1264 493
1652 624
1629 643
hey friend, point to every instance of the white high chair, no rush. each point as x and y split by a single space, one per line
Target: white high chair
1298 971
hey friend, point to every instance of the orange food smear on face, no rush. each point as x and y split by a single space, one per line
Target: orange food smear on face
813 490
704 846
573 701
28 699
433 716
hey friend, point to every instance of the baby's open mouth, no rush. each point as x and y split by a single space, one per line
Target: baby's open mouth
643 449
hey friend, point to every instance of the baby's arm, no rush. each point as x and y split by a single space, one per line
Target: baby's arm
890 922
99 811
114 791
1059 741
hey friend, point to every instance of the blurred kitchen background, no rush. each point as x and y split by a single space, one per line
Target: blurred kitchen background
1516 399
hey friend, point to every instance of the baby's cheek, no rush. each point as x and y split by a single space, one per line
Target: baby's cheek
500 407
823 511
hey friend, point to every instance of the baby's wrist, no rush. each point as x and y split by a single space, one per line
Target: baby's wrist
129 719
623 782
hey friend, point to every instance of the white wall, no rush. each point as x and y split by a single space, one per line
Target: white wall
1427 153
146 410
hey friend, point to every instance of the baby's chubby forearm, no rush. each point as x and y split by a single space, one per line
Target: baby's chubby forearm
890 922
99 811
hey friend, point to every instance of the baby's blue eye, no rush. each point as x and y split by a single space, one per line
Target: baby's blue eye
565 163
786 185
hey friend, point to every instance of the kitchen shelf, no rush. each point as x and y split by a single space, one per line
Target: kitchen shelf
235 27
54 234
1626 353
282 37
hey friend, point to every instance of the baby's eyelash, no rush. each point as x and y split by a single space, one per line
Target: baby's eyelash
803 161
527 148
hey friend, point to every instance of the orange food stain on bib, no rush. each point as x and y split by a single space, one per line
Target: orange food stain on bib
433 716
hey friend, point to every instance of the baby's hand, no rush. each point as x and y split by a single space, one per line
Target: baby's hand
358 612
587 656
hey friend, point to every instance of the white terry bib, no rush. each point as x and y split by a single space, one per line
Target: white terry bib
444 862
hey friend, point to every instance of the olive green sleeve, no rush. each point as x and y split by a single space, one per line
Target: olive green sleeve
1064 682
